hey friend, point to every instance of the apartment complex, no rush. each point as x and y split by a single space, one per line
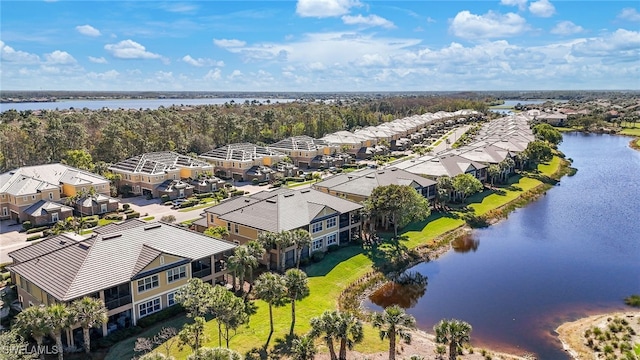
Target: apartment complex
243 161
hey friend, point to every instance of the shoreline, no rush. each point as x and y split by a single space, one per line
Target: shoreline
362 288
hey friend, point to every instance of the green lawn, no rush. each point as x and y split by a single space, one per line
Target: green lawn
197 207
328 278
631 131
295 184
103 222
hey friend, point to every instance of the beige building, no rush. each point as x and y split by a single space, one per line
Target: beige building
162 173
303 149
135 267
330 220
243 161
37 193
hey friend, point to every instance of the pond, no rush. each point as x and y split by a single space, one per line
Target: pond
574 252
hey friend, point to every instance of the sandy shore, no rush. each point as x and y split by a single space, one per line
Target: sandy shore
572 334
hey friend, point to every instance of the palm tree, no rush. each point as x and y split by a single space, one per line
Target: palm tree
257 251
349 331
304 348
297 289
31 322
453 332
239 262
493 171
301 238
394 321
58 317
325 326
268 241
89 312
505 166
271 288
283 241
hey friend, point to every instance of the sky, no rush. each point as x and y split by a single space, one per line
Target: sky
320 45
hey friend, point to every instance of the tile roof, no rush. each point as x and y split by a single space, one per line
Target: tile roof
43 207
283 209
112 258
33 179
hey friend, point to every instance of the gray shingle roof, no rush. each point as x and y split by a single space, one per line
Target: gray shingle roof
304 143
43 207
113 258
240 152
159 163
32 179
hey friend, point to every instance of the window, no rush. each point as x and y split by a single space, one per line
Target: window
50 196
317 244
315 227
331 222
148 283
229 227
54 217
33 197
331 239
5 211
176 273
149 307
235 228
171 299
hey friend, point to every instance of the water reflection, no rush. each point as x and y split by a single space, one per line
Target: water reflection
404 290
465 243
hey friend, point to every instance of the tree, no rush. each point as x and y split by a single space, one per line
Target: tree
394 322
239 262
466 185
268 241
31 322
284 240
301 239
155 356
548 133
168 218
10 344
538 151
193 334
272 289
304 348
219 232
325 326
349 331
229 310
89 312
195 297
297 289
454 333
58 317
79 159
493 171
506 166
400 204
214 354
257 251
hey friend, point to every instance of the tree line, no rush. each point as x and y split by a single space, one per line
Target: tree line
37 137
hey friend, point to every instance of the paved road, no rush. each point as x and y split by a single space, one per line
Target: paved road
453 137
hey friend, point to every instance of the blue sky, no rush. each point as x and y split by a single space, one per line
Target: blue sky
320 45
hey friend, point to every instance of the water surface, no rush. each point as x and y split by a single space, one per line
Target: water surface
574 252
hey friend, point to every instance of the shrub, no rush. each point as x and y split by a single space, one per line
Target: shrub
129 211
117 336
117 217
317 256
160 316
188 203
168 218
126 206
34 237
204 195
633 300
255 181
304 261
167 203
26 225
237 193
164 198
37 229
333 248
133 215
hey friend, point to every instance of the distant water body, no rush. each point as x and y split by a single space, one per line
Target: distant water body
126 103
573 252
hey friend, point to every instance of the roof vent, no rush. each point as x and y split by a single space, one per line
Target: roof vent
288 195
155 226
270 201
305 191
246 200
112 236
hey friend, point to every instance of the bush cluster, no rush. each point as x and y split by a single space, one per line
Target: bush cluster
114 216
160 316
37 229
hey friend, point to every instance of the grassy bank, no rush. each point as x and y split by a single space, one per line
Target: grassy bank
338 270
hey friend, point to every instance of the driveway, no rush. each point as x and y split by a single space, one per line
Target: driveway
10 239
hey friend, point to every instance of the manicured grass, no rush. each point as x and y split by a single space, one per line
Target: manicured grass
198 207
103 222
189 222
337 270
631 131
148 218
564 128
295 184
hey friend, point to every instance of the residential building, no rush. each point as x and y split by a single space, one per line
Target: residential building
329 219
161 173
135 267
359 185
243 161
303 149
37 193
450 165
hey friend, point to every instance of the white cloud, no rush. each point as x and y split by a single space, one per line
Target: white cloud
229 43
630 14
566 28
542 8
88 30
622 44
316 66
179 7
325 8
107 75
129 49
60 57
213 75
491 25
235 74
98 60
7 53
371 20
199 62
521 4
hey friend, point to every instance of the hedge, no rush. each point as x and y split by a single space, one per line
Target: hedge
164 198
133 215
317 256
114 217
37 229
160 316
35 237
332 248
26 225
204 195
188 203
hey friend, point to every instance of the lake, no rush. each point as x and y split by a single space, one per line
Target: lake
125 103
574 252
